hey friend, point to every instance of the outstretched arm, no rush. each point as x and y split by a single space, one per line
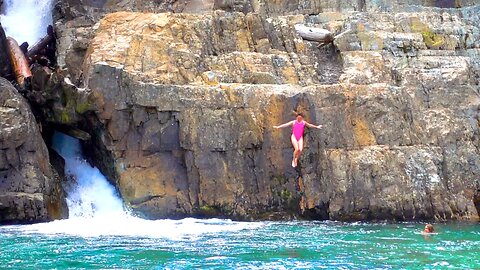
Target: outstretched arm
284 125
313 126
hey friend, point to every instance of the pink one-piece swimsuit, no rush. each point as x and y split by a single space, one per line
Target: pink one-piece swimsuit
297 129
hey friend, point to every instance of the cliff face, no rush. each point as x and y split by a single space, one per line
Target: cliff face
186 103
30 191
181 107
75 18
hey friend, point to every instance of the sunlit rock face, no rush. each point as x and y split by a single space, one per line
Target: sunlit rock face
187 103
75 19
30 191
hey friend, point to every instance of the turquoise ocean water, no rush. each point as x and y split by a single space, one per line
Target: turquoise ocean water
102 234
221 244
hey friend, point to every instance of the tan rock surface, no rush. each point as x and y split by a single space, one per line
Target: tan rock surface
189 101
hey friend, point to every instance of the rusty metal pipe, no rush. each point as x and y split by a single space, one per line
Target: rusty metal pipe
20 65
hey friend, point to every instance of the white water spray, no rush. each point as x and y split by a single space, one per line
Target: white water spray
90 194
26 20
95 208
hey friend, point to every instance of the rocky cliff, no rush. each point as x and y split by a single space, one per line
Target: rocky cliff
75 18
184 106
30 190
180 109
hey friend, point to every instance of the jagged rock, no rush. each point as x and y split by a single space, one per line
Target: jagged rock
75 25
58 101
30 190
186 105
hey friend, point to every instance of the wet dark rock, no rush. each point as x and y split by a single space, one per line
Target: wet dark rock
30 190
5 64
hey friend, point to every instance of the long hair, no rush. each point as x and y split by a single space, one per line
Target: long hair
298 113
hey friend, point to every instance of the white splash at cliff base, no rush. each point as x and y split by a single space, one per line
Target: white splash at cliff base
89 192
97 210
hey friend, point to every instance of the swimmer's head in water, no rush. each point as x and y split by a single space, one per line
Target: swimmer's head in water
429 228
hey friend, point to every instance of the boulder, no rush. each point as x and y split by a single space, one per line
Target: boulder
30 190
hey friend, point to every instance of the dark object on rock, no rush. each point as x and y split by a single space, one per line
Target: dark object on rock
24 47
40 45
43 51
74 132
5 65
20 65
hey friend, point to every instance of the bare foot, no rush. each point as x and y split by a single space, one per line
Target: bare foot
293 163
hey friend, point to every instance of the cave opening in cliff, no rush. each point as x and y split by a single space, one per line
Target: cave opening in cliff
89 193
89 143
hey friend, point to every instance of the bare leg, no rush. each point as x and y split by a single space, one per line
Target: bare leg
298 151
295 150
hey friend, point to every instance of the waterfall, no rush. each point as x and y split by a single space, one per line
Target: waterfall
89 194
26 20
95 208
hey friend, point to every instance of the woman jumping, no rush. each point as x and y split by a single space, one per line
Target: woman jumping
297 135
